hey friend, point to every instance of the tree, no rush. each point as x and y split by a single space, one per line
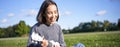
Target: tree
112 26
2 33
106 25
94 25
10 32
21 28
99 26
118 23
75 30
65 31
86 27
16 30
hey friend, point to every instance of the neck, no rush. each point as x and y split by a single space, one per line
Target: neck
49 24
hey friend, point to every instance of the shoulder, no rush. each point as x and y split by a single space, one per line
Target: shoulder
35 25
57 25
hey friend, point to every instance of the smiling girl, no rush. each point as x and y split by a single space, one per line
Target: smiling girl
47 27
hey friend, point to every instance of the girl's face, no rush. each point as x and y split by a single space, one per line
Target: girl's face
51 14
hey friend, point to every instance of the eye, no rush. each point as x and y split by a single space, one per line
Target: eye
48 12
55 12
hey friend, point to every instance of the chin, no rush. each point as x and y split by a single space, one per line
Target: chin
52 22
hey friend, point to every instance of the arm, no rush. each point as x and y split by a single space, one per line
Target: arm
30 42
61 39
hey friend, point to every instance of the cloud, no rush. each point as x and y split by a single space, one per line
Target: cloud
11 14
65 13
22 10
3 20
101 13
28 12
32 12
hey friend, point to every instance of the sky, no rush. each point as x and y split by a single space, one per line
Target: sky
72 12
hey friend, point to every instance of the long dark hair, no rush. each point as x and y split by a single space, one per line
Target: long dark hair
41 14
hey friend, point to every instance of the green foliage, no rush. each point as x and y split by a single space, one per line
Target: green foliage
9 32
75 30
118 24
22 28
16 30
65 31
95 39
94 26
2 33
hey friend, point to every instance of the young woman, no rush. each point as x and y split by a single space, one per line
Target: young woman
47 27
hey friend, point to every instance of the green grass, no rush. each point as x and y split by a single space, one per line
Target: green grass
13 42
95 39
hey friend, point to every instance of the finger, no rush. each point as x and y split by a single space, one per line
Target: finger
43 37
41 44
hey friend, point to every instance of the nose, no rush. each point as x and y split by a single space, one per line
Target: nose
54 14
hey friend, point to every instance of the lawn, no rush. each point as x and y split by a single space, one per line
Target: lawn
92 39
96 39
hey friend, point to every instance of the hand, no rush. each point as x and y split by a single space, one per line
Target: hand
44 43
57 44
